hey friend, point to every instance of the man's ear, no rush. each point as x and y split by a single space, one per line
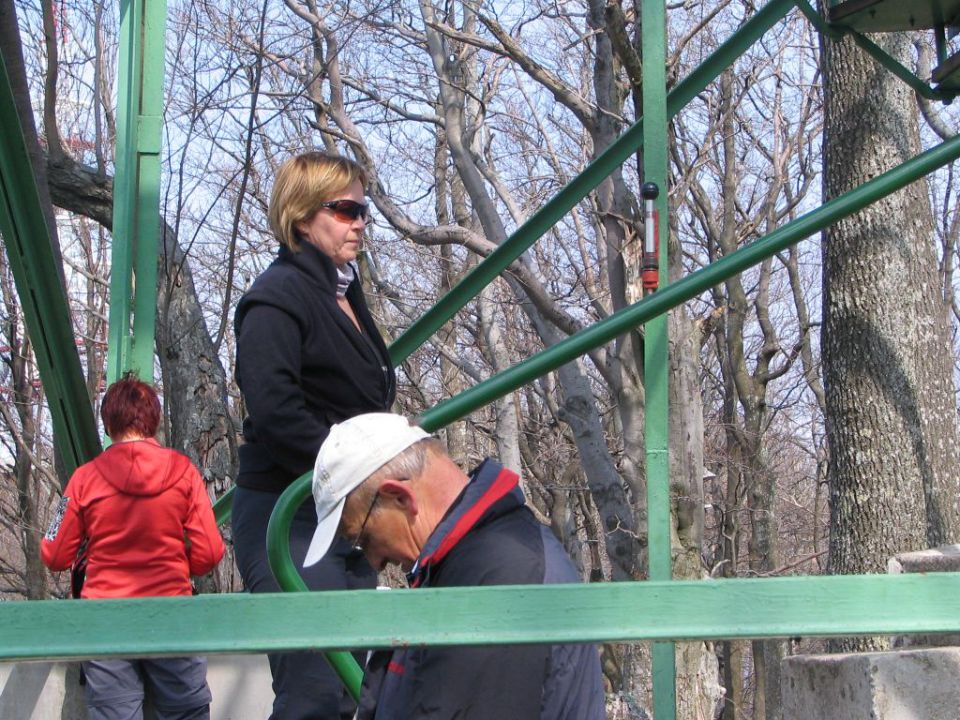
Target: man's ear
400 493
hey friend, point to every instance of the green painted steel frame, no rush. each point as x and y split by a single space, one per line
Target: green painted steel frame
658 502
591 176
136 216
894 15
32 261
572 193
614 612
943 94
656 360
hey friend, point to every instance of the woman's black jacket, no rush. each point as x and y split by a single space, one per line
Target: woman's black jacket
302 366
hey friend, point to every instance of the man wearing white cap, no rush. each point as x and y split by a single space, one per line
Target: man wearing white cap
392 490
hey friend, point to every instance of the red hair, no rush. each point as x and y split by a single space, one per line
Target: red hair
130 405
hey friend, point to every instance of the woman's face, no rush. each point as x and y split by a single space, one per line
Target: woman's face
338 239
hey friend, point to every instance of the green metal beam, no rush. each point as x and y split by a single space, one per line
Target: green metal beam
690 286
136 220
45 309
598 612
656 360
894 15
836 32
578 188
223 506
898 69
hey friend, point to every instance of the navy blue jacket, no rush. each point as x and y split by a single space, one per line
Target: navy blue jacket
302 366
488 537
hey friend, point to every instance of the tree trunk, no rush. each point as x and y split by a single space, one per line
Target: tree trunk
194 387
698 689
194 380
887 358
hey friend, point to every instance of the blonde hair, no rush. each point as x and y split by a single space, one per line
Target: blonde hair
304 182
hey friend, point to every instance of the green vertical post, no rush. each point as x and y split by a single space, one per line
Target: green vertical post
129 68
656 351
136 220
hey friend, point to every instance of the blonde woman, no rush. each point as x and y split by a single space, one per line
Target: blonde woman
308 355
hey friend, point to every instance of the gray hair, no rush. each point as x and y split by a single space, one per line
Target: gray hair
408 465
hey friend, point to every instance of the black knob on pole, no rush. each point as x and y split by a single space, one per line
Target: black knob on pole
649 191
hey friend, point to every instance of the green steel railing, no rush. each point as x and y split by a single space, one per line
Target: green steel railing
44 302
289 580
596 612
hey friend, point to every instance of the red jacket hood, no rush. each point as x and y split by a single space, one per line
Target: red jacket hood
136 468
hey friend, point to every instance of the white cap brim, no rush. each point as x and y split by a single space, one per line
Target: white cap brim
353 450
324 534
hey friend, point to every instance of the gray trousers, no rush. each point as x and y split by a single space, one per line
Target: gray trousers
177 688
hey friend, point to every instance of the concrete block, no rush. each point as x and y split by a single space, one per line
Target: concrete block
945 558
897 685
241 686
38 691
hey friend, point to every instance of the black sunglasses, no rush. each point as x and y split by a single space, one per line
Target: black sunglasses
358 542
348 210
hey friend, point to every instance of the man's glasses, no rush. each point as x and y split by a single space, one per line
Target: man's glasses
348 210
358 543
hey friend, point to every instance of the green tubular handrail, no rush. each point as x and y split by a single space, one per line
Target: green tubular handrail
278 540
278 552
285 571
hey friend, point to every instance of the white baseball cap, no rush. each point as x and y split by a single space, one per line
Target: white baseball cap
353 451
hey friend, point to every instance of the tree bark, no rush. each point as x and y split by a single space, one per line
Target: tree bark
887 357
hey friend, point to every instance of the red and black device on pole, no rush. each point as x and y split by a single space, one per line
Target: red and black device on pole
650 264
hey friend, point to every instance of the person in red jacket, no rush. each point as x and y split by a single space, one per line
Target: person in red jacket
143 512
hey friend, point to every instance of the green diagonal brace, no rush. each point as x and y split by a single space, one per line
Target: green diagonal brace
591 176
836 32
278 540
45 309
621 322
